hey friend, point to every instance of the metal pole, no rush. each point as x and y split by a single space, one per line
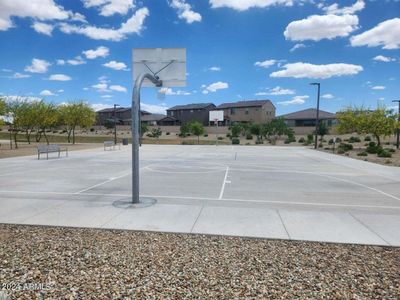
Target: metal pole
115 124
398 129
136 130
317 118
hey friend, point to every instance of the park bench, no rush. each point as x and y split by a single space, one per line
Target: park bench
110 145
51 148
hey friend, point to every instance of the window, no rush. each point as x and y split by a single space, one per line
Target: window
247 111
191 110
232 111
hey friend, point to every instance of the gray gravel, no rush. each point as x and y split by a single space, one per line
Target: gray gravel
115 264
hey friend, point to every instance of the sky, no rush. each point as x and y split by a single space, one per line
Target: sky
69 50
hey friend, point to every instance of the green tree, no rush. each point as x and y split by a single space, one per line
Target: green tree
76 114
380 122
15 110
143 128
197 129
155 133
3 107
323 129
235 129
184 130
256 129
47 116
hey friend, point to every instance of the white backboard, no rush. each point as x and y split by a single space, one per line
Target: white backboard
173 60
216 115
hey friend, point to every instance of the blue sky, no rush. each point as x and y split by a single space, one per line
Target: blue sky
64 50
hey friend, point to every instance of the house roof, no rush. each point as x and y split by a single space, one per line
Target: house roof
152 117
246 103
310 113
119 110
191 106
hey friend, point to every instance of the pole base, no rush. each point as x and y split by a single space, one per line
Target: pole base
127 203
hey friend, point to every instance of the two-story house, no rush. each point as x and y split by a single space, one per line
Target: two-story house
191 112
256 111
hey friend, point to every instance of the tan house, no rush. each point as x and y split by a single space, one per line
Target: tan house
257 111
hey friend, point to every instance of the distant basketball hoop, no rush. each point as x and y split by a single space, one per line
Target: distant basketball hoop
216 116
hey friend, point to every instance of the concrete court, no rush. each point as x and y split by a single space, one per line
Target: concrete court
255 191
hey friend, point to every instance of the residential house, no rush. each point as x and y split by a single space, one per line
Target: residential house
308 117
257 111
122 115
191 112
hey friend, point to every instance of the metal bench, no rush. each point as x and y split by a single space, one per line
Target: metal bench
51 148
110 145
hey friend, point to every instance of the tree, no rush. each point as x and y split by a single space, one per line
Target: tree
2 110
76 114
143 128
235 130
14 111
197 129
184 130
47 116
155 133
276 128
323 129
256 129
379 122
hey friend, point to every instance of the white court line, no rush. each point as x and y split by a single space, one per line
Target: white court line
99 184
223 184
208 199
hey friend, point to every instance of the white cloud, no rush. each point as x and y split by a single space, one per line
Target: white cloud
20 75
261 94
78 60
241 5
38 66
321 27
60 91
277 91
133 25
154 108
60 62
215 87
99 52
347 10
266 63
383 58
19 98
115 65
297 46
47 93
118 88
327 96
110 7
185 11
43 28
378 87
78 17
214 69
101 87
100 106
59 77
168 91
36 9
306 70
385 34
106 96
297 100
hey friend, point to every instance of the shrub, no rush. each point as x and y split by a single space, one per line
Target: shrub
220 138
155 133
354 139
338 140
228 135
92 129
249 136
302 140
320 145
330 142
327 148
167 133
341 151
235 141
345 147
205 135
367 138
260 142
287 141
55 131
384 153
373 148
363 153
187 143
310 138
391 150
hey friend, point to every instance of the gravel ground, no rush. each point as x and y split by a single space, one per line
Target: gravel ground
114 264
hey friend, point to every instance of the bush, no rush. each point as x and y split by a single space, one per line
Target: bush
330 142
235 141
373 148
155 133
205 135
384 153
302 140
167 133
367 138
92 129
287 141
345 147
320 145
228 135
341 151
338 140
363 153
327 148
391 150
258 142
187 142
354 139
220 138
55 131
310 138
249 136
